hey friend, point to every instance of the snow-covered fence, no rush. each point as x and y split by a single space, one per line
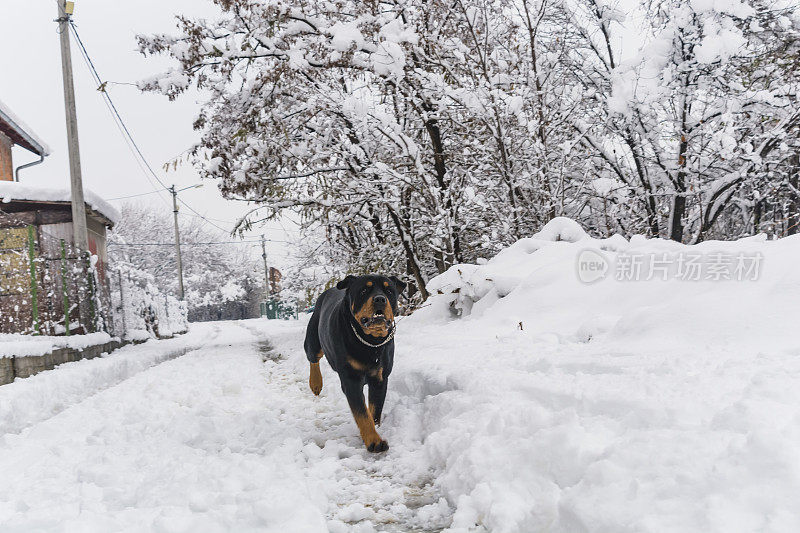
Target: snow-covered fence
140 309
46 286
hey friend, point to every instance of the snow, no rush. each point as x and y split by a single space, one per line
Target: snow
389 60
24 127
719 42
617 405
551 404
536 279
10 190
344 35
141 309
13 344
605 186
28 401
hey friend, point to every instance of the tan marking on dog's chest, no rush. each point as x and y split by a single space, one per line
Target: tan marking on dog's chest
361 367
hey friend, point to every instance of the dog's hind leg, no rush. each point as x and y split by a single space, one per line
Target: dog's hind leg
314 353
315 376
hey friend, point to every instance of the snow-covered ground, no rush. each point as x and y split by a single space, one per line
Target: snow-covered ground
550 405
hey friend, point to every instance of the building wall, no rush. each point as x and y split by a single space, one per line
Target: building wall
6 165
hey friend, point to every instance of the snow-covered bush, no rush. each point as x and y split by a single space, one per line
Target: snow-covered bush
140 310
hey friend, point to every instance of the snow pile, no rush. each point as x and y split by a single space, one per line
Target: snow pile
663 404
5 110
10 191
642 292
15 344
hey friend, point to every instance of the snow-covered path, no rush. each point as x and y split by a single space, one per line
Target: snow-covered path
491 428
226 437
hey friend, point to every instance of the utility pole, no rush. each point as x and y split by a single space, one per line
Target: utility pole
81 235
177 239
266 270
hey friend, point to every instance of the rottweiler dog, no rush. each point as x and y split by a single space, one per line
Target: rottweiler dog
353 327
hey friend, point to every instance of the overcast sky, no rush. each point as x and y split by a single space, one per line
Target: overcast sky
31 86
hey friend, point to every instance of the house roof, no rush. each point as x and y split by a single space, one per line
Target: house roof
19 133
11 191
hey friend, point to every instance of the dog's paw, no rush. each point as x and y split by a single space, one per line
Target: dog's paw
379 445
316 386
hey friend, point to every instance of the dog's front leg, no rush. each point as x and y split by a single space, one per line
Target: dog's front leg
377 395
354 391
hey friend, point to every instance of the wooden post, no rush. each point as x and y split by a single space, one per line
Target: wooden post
266 269
177 240
34 287
122 303
81 234
92 293
793 220
64 285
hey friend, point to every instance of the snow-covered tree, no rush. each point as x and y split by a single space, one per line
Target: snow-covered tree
414 135
696 118
215 275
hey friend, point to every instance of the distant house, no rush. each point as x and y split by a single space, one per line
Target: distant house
44 287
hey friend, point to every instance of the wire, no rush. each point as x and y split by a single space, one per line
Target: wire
153 192
132 196
117 118
211 218
193 243
190 208
135 146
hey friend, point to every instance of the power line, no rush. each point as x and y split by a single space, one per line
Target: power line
115 115
135 146
99 81
131 196
192 243
190 208
211 218
154 192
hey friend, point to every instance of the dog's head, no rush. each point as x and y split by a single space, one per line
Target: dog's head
372 300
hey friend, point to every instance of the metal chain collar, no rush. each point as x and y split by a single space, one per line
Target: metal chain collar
388 338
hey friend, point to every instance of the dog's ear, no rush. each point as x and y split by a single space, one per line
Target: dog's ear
345 282
400 284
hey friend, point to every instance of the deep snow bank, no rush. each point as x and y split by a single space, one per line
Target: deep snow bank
660 403
644 291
